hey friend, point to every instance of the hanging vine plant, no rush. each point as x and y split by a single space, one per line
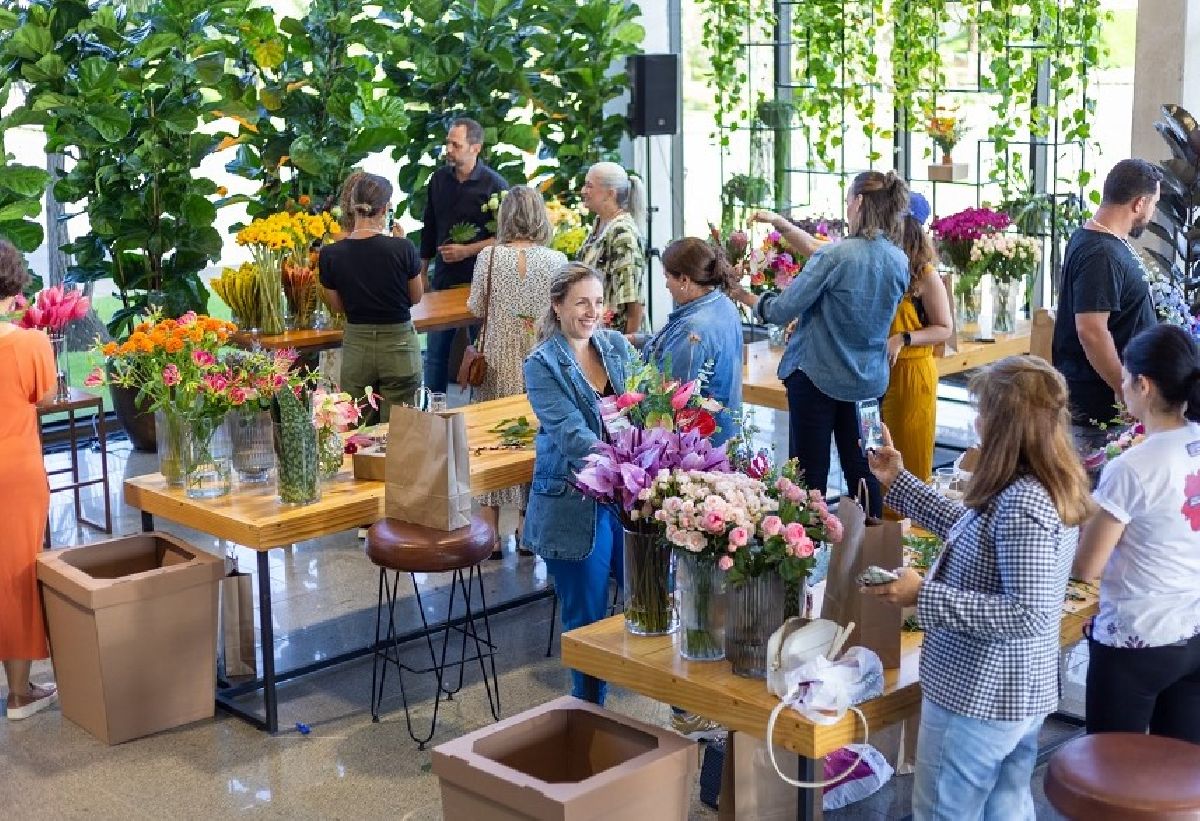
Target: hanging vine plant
918 72
726 27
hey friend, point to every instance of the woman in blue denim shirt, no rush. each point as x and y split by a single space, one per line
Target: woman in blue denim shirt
705 328
845 299
575 363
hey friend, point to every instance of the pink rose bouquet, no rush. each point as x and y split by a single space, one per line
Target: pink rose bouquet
53 309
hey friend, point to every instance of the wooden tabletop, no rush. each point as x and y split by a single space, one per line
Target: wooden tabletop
253 516
761 386
437 311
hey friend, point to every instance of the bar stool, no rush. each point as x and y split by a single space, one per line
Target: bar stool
397 547
1125 777
77 401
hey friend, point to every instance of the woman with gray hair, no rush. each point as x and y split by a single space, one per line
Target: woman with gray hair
510 290
614 246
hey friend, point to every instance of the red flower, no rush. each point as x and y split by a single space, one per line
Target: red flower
695 419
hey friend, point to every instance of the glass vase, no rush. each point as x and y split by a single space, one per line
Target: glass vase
1006 298
702 606
297 472
207 456
169 430
62 367
649 585
755 612
253 445
331 450
967 298
776 336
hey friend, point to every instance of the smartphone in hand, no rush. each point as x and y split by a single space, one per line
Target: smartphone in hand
875 575
870 425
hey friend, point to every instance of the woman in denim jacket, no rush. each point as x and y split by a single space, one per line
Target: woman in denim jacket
575 363
845 299
991 604
704 330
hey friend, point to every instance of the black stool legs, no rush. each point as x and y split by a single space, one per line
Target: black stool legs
387 647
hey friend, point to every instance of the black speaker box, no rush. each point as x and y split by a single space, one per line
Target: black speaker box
654 94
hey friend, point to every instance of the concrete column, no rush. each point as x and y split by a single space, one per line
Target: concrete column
1166 68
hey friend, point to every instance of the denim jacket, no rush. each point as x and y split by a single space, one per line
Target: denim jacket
708 329
568 414
845 299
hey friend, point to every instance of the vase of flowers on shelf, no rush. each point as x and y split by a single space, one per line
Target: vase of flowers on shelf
52 311
946 130
658 425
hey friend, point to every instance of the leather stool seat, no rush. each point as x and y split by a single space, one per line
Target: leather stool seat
1125 777
410 548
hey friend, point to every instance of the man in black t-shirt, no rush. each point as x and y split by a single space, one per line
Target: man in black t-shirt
457 194
1104 298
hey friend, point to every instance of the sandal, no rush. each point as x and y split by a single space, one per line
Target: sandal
42 696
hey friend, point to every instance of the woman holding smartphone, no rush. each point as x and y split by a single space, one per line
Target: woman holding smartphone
991 604
845 299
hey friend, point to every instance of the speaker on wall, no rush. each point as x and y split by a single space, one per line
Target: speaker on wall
654 94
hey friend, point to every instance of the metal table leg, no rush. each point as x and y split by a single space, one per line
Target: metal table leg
147 522
808 802
591 689
267 640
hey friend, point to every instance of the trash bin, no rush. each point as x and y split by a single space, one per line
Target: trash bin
133 633
567 760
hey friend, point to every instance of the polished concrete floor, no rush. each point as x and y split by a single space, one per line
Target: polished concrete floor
346 767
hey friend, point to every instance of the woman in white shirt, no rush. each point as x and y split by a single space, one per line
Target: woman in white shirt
1144 544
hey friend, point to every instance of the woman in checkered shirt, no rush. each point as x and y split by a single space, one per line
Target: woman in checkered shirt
991 605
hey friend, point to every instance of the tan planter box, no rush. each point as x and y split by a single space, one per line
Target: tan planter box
567 760
133 633
948 172
369 463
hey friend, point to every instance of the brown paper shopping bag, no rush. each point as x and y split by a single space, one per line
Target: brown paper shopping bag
951 344
237 625
749 786
865 542
428 471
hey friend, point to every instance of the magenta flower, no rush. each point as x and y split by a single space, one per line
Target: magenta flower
629 399
216 382
170 375
204 359
94 379
683 395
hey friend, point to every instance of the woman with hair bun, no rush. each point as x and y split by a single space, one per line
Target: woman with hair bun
614 246
705 329
374 278
845 299
1144 545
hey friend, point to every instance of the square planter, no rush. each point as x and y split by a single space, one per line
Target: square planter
948 172
567 760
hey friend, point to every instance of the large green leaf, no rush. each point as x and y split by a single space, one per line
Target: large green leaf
24 180
31 41
268 54
198 210
96 74
112 123
26 236
19 210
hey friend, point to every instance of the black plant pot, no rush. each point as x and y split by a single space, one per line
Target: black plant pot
138 424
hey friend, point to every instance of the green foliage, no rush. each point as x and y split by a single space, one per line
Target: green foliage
919 74
312 105
21 188
726 27
122 95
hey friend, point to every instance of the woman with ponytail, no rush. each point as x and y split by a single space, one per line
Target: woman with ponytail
614 246
1144 545
704 332
373 277
845 299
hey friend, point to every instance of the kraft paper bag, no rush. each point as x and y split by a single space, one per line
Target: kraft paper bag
866 542
951 344
749 786
427 472
237 625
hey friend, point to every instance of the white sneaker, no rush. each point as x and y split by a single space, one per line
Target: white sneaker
35 706
695 727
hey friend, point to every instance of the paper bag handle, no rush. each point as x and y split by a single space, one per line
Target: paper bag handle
812 785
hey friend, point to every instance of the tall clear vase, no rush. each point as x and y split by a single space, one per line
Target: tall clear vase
253 445
755 612
62 376
298 474
169 430
701 607
650 608
207 458
1006 299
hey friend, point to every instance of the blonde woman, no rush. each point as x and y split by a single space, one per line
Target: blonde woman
519 269
991 605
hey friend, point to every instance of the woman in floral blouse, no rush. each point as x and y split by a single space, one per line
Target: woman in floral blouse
991 604
614 246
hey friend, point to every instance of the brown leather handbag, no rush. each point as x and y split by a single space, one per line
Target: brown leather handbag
473 368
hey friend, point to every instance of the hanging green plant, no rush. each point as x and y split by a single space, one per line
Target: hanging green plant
727 26
918 71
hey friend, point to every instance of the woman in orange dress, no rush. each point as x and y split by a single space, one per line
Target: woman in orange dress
922 320
26 377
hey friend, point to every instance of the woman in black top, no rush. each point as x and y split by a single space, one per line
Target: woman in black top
374 279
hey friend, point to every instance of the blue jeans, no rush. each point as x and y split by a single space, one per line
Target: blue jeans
583 585
438 345
970 768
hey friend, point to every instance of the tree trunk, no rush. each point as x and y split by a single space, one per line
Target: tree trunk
82 333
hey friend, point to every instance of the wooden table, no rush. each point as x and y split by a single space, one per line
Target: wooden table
761 386
437 311
253 516
654 668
